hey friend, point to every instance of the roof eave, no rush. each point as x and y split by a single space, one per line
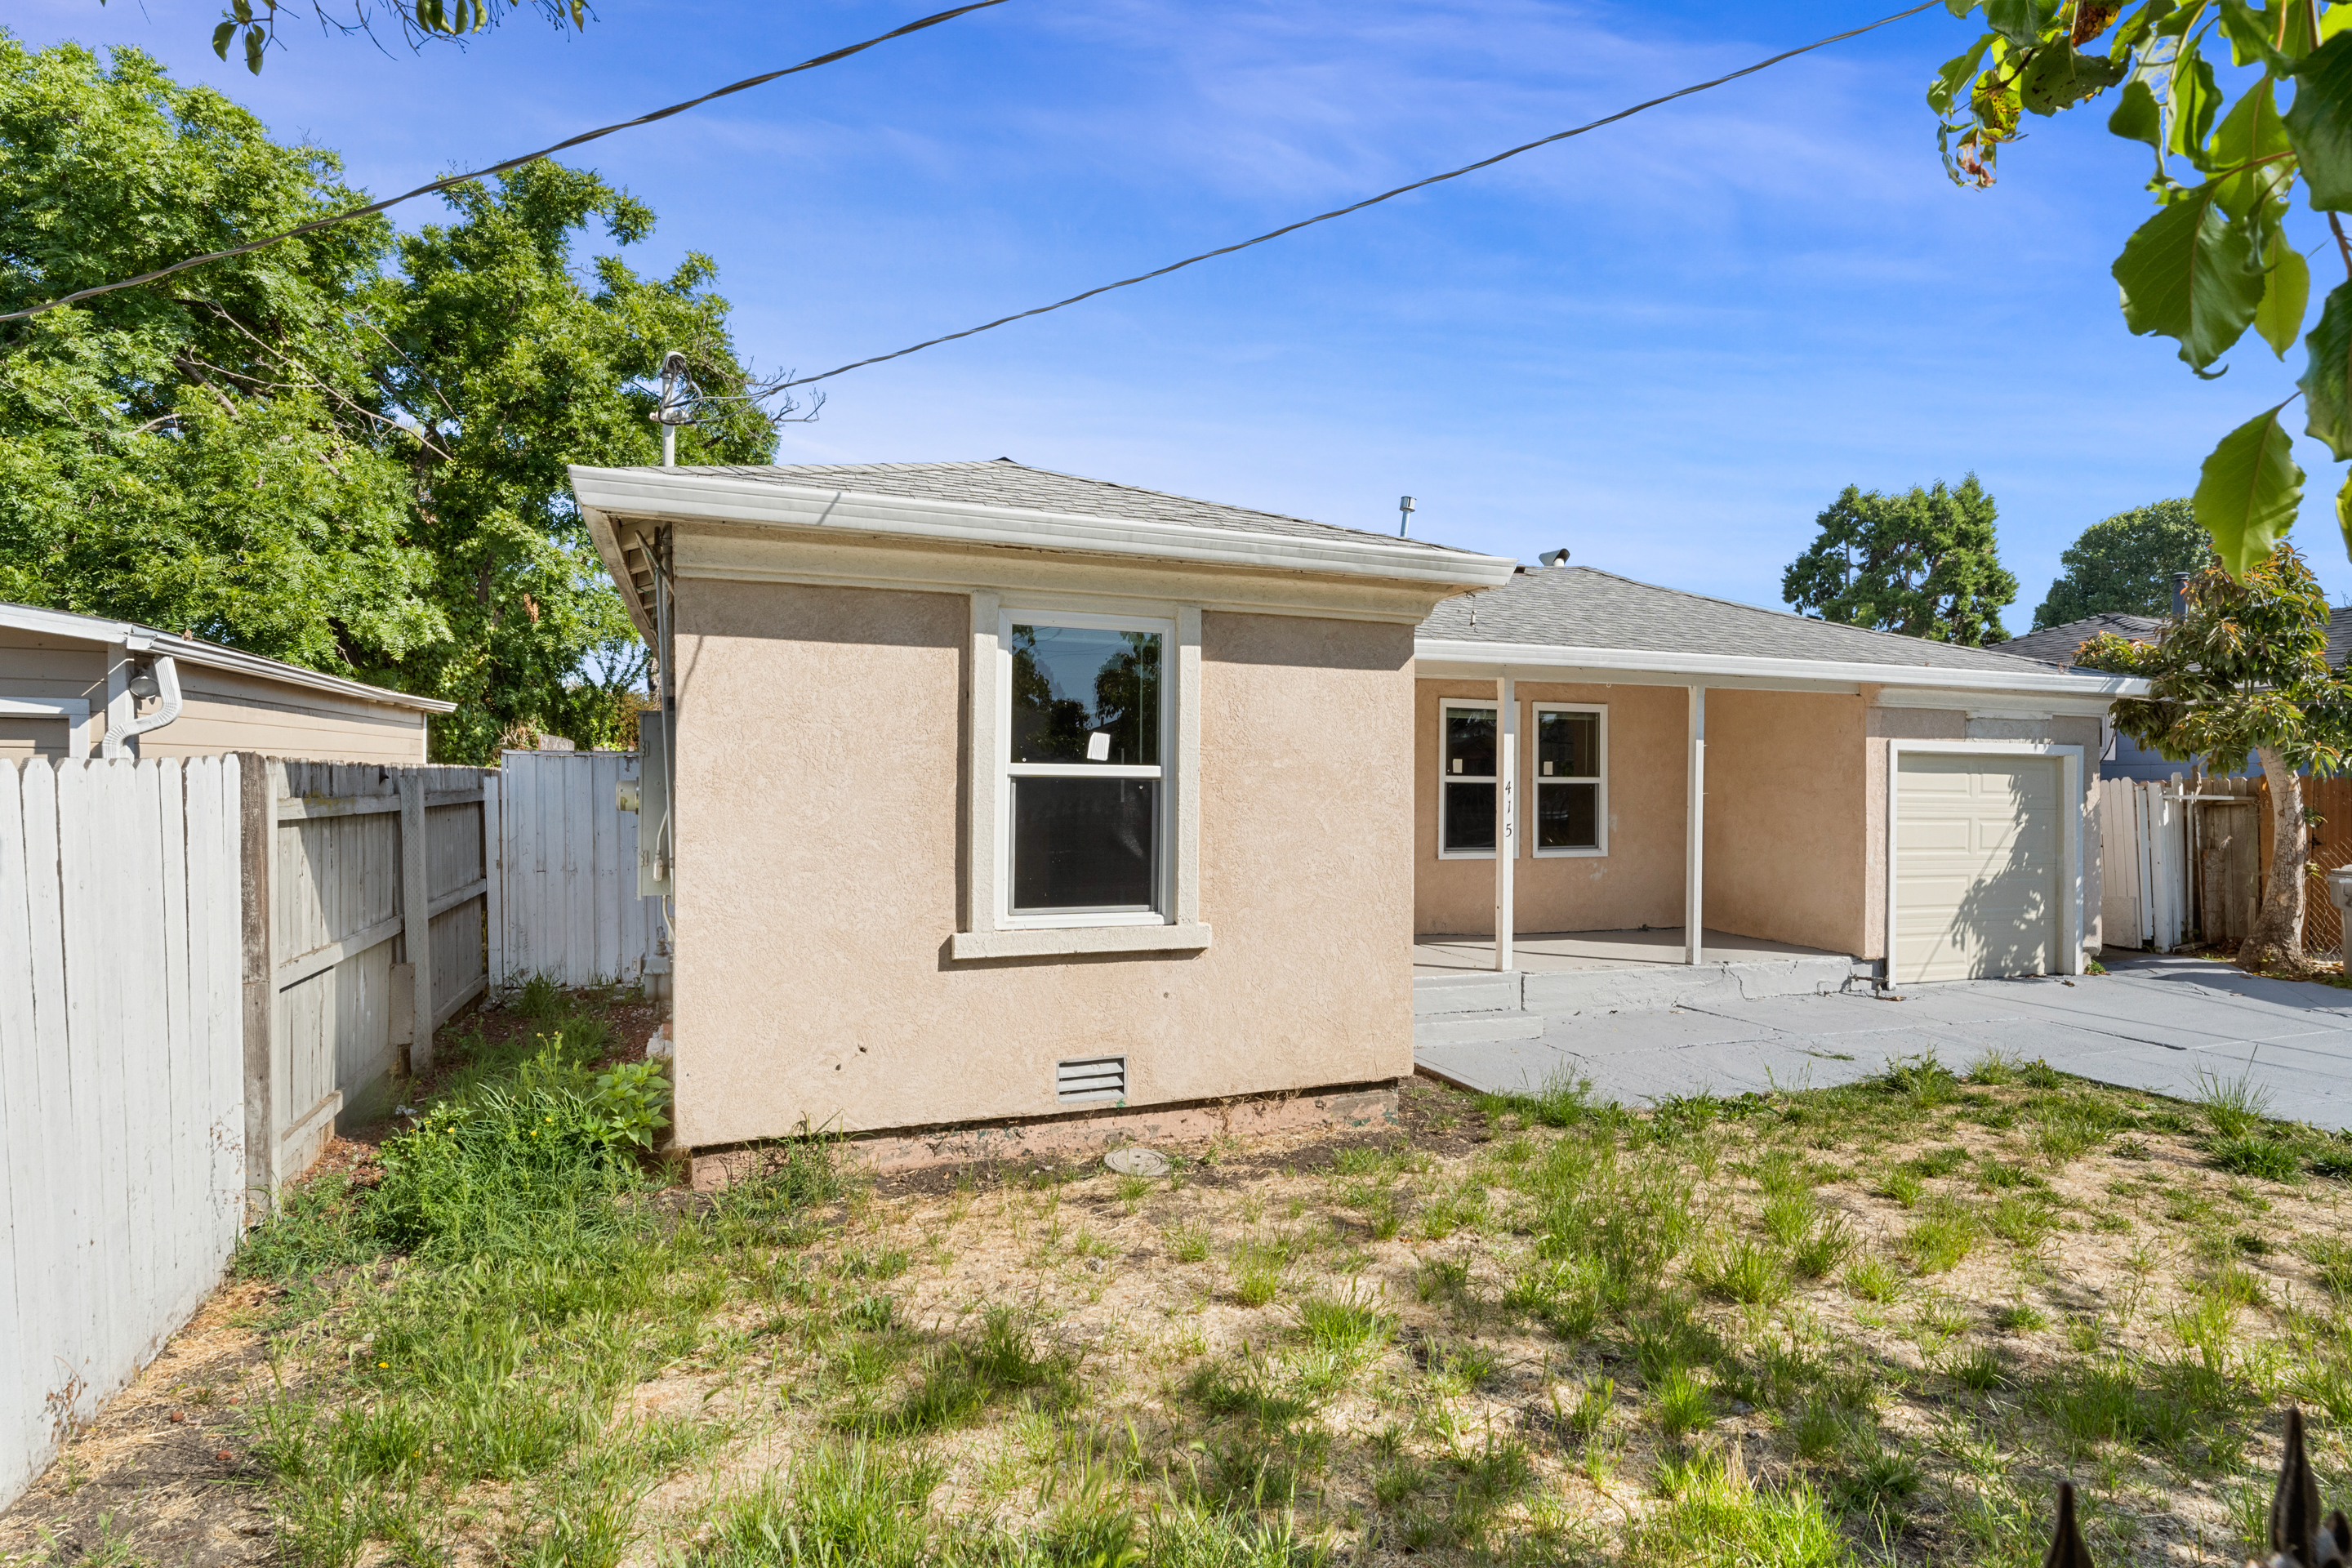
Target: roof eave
1807 671
607 494
148 639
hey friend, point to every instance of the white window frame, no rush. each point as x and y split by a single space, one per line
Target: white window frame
1446 705
1007 770
990 929
1537 781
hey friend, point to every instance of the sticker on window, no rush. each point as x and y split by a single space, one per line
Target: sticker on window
1099 746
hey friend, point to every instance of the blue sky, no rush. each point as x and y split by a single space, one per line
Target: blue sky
1665 345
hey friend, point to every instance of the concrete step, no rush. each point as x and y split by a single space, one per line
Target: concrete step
1476 1029
1475 992
1654 988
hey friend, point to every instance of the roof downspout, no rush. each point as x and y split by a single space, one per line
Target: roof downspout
165 680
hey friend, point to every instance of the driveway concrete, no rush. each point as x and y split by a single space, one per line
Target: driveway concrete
2157 1024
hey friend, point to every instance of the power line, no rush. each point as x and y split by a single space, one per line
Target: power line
373 207
1368 201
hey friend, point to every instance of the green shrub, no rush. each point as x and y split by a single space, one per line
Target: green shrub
523 1164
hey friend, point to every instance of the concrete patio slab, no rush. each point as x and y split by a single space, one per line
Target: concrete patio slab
2163 1025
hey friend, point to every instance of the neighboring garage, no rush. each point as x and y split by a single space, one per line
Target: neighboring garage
1981 878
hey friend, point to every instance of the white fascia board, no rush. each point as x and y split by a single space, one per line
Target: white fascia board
147 639
712 498
1804 672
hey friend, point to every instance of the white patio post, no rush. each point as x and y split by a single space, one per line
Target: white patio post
1506 810
1693 915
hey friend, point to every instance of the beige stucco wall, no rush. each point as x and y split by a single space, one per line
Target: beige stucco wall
221 710
819 774
1785 858
1883 724
1638 882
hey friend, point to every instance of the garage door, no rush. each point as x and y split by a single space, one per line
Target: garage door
1978 845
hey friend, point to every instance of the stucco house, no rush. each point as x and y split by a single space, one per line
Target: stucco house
67 681
995 795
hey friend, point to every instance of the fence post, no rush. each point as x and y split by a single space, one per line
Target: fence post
415 913
494 907
257 973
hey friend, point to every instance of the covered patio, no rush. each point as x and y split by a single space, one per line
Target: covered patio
1658 946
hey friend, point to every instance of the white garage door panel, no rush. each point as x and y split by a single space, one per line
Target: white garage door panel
1977 845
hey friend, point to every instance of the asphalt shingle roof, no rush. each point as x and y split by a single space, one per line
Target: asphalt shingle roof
1004 482
2056 644
1578 606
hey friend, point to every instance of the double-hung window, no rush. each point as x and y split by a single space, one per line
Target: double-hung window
1571 780
1084 804
1466 779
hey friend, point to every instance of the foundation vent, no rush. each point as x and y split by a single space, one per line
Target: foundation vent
1091 1081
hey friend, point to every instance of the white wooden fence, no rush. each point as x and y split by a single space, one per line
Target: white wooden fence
204 965
122 1107
567 873
359 859
2144 865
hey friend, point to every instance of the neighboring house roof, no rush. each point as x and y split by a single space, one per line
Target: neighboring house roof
997 502
2056 644
148 639
1580 617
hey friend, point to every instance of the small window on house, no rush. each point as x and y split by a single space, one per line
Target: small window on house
1083 770
1466 779
1570 780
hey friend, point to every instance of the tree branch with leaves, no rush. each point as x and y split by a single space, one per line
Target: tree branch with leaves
2216 260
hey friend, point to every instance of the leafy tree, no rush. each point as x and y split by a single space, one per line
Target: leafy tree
2125 564
339 451
210 457
1923 563
514 367
2245 669
2216 258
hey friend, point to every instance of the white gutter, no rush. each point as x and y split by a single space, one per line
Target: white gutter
1545 656
672 496
167 688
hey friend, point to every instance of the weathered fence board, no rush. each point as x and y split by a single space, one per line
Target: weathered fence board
204 965
348 967
567 873
2143 864
2329 802
121 1106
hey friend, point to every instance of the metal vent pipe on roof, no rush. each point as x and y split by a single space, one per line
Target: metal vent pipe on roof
2180 594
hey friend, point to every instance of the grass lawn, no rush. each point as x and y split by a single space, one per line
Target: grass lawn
1853 1325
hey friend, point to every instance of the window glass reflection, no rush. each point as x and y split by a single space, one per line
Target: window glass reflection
1086 696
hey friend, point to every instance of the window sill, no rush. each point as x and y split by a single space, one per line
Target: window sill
1053 941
